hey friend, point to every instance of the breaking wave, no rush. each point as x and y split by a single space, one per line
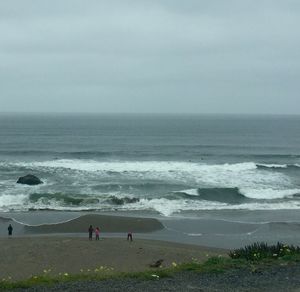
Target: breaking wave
277 166
166 187
226 195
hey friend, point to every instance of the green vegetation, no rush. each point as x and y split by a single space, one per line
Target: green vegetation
258 251
253 257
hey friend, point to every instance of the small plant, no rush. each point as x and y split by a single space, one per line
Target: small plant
261 250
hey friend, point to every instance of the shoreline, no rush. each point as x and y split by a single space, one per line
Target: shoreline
213 229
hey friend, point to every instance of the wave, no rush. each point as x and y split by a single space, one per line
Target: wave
176 201
154 187
235 195
122 201
135 166
163 186
269 193
65 199
226 195
163 206
90 201
277 166
207 197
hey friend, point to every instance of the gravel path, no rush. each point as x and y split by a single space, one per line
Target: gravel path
277 278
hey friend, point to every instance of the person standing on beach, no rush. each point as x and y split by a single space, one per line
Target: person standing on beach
129 235
10 230
91 230
97 232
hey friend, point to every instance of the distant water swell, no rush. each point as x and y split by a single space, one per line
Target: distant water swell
160 152
166 187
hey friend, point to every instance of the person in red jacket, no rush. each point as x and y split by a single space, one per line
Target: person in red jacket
97 232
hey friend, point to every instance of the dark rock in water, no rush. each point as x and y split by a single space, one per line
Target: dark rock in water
29 179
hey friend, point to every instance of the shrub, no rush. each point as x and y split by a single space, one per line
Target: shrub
261 250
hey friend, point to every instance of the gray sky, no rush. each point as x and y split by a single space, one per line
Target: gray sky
233 56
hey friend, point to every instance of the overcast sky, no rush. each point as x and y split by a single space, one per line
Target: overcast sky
233 56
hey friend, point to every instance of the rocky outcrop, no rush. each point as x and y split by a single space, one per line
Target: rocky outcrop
29 179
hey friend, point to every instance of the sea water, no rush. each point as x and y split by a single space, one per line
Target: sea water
166 164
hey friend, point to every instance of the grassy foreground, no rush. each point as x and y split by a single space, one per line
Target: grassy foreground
245 258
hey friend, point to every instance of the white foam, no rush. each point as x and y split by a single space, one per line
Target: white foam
269 193
165 207
217 175
252 182
273 165
168 207
191 192
245 176
136 166
11 201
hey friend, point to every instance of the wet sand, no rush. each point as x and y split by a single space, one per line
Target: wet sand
106 224
22 257
223 229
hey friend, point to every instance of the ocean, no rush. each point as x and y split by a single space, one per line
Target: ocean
167 165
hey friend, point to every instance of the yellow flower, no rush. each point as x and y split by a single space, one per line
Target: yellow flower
174 264
66 274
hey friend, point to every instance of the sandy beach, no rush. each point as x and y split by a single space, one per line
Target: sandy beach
59 243
65 248
23 257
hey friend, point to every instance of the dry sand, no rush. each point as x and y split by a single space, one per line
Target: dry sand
23 257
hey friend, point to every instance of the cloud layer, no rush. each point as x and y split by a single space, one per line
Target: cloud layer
150 56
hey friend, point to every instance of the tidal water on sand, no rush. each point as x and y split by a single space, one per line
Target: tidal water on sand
169 164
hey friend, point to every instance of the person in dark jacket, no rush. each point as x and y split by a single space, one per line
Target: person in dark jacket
10 230
129 236
91 230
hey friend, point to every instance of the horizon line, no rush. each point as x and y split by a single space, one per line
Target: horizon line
149 113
